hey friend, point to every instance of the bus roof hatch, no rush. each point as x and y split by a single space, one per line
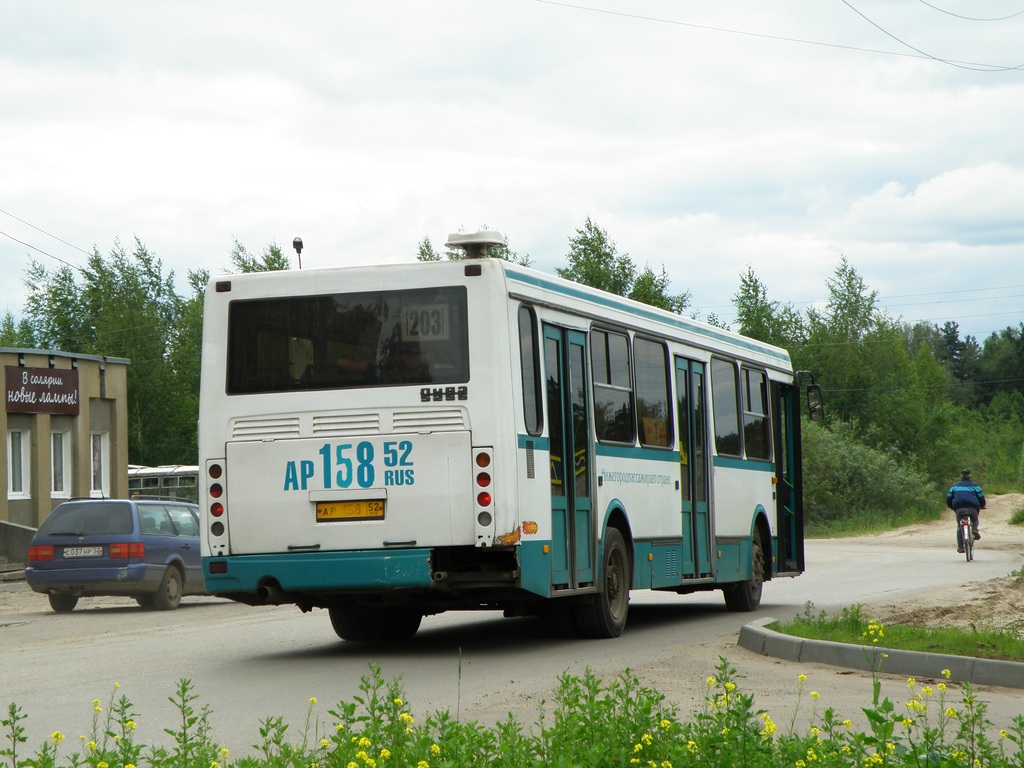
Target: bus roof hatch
475 244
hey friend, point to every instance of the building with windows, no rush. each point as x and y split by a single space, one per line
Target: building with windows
65 426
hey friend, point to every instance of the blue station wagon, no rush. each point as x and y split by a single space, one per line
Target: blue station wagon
148 550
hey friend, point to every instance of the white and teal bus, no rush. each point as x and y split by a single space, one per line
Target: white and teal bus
400 440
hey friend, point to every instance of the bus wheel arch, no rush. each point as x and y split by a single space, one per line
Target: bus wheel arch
745 596
605 616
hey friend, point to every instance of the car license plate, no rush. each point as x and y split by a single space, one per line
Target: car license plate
82 552
368 509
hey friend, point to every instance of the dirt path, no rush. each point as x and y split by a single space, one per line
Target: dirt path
995 603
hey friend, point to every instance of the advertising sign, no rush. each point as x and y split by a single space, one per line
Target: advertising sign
41 390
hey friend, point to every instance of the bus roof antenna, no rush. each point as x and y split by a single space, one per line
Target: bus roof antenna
475 244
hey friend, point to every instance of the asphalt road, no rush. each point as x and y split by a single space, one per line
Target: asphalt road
249 663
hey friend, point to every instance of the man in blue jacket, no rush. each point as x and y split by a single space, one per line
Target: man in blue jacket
965 498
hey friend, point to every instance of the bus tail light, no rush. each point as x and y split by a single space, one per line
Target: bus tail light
483 496
217 505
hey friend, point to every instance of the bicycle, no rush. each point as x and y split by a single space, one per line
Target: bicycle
966 535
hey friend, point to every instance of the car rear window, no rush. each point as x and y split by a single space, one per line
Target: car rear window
89 519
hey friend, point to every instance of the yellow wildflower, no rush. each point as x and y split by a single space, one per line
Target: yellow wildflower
815 695
312 701
385 753
711 682
665 725
422 764
950 712
91 746
1003 734
692 747
398 702
131 725
435 749
364 743
802 677
224 753
406 718
57 737
947 674
325 743
647 739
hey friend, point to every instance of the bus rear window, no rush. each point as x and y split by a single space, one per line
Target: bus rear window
342 341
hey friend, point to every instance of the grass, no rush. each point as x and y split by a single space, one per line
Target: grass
851 625
1017 516
591 722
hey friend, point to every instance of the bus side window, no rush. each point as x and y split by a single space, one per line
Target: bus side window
529 357
756 428
654 413
613 394
725 406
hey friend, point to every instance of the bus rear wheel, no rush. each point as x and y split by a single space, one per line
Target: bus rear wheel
606 615
383 624
745 596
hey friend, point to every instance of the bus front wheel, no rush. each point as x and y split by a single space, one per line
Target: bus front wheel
606 615
746 595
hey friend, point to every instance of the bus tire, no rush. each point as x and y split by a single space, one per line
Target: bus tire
605 616
745 596
383 624
168 595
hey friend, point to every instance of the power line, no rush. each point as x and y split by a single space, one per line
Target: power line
958 64
48 234
979 67
45 253
969 18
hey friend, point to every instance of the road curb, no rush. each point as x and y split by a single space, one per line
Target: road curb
758 638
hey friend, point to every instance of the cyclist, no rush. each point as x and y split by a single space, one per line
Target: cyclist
965 497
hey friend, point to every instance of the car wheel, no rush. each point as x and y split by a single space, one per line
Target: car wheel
62 603
168 596
145 601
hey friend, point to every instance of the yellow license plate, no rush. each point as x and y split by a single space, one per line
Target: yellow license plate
372 509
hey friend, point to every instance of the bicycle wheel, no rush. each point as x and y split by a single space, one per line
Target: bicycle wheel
968 535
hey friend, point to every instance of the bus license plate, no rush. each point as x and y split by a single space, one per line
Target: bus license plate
328 511
82 551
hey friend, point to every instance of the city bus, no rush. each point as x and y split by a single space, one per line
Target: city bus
394 441
169 481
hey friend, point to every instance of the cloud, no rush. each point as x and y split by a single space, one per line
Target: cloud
980 205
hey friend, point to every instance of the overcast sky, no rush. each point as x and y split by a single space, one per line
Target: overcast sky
703 137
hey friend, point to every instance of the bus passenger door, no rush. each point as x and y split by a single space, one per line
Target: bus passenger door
693 468
788 495
572 545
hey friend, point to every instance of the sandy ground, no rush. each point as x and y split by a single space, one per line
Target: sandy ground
996 603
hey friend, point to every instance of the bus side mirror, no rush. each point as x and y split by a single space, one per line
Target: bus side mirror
815 409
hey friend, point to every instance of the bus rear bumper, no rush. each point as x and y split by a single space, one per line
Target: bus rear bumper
319 571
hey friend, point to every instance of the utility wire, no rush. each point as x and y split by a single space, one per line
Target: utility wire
979 67
48 234
969 18
958 64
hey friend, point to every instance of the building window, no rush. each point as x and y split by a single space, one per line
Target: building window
99 445
60 464
17 466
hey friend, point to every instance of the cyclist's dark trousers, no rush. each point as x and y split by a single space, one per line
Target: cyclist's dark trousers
966 512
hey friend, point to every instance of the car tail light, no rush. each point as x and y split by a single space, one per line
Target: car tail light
124 550
40 552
